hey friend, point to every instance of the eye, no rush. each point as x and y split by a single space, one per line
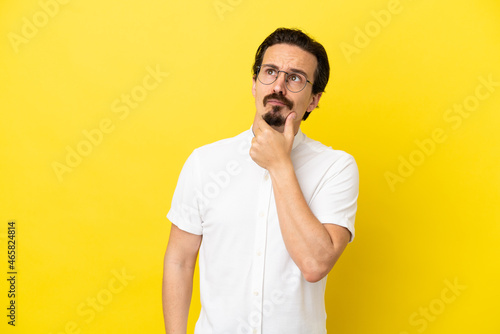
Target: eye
270 71
295 77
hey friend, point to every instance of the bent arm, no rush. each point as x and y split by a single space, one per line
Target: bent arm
178 270
313 246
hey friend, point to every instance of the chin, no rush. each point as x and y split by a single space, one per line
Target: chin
274 119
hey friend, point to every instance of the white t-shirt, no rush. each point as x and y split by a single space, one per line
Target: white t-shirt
248 281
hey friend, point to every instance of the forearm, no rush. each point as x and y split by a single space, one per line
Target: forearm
177 291
306 239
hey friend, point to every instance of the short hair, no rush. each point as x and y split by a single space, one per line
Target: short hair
298 38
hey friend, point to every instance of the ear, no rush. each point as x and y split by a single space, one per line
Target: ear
314 102
253 86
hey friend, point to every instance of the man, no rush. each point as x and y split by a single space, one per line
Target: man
270 211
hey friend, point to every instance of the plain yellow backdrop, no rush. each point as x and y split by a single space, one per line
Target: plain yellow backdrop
102 102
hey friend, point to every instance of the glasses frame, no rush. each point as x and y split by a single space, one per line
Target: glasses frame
286 79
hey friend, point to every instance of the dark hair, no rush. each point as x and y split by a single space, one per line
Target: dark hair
298 38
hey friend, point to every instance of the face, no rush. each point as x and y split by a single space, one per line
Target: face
275 102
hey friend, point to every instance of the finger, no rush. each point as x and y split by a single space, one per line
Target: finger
257 132
262 124
289 128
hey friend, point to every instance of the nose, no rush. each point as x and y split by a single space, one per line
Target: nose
280 83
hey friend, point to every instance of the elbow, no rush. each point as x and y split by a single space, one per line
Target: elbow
315 272
314 276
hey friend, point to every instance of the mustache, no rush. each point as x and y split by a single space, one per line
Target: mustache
279 97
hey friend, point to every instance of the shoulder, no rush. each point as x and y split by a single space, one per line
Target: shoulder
222 151
313 150
226 143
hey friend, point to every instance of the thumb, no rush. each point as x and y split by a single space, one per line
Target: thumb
289 128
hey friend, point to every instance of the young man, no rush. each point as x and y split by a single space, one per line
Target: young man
270 211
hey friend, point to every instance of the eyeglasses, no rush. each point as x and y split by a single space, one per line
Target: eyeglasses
295 82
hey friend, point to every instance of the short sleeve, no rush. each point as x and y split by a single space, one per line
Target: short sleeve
336 199
185 209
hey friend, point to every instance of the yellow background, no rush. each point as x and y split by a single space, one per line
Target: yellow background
107 215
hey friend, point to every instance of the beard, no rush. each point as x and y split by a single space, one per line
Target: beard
274 116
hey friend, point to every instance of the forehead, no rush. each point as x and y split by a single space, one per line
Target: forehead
287 56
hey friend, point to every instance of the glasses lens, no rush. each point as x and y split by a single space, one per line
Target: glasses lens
267 75
295 82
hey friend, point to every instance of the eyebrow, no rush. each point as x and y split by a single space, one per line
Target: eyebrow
295 70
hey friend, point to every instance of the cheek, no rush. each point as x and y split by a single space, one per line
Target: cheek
306 103
260 93
258 99
301 105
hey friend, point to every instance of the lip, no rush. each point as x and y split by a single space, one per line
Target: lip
276 102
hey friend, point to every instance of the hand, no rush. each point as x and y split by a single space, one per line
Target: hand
271 149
